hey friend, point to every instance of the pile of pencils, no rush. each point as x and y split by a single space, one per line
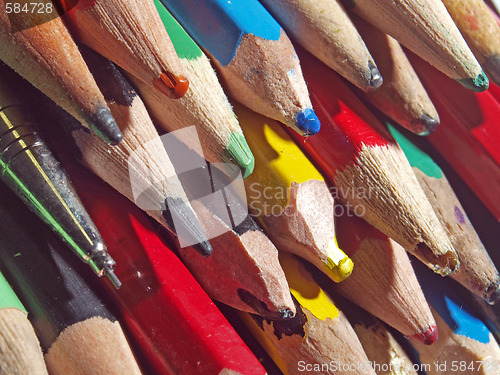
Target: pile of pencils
335 213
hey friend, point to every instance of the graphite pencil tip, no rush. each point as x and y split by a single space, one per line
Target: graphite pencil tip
307 122
478 84
182 221
286 314
492 295
112 277
104 125
240 152
204 248
428 337
492 67
426 125
175 87
376 79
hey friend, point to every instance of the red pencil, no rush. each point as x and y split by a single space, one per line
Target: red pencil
371 173
469 135
494 90
393 293
173 321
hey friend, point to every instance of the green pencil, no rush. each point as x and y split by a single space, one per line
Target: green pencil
477 271
205 105
20 351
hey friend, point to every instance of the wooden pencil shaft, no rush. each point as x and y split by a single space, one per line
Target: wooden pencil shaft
481 32
370 171
325 30
427 29
131 35
170 328
46 55
402 97
469 124
20 351
272 84
318 339
43 274
205 105
19 346
477 271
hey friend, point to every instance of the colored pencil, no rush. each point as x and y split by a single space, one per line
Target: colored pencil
319 339
244 251
243 271
139 166
130 34
481 32
370 172
477 271
253 56
39 47
382 348
290 197
77 332
402 96
468 124
324 29
20 351
176 325
426 28
383 282
465 344
34 174
205 105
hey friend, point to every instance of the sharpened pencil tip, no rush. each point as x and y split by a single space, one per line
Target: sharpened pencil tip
492 67
376 79
286 314
444 263
204 248
426 125
492 295
338 265
104 125
240 153
478 84
307 122
428 337
175 87
260 308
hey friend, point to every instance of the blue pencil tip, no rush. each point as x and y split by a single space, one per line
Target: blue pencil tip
307 122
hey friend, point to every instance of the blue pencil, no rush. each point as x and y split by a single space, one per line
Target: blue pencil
254 57
464 345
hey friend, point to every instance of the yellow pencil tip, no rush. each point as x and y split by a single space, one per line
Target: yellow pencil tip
338 265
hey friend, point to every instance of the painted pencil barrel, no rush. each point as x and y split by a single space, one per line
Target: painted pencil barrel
28 167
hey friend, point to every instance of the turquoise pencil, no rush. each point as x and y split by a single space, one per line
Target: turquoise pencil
255 59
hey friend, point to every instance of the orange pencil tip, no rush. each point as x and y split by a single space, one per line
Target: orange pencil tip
174 87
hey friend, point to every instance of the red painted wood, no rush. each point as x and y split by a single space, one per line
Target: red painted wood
171 318
346 124
469 134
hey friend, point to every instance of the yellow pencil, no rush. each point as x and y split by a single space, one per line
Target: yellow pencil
319 339
290 196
